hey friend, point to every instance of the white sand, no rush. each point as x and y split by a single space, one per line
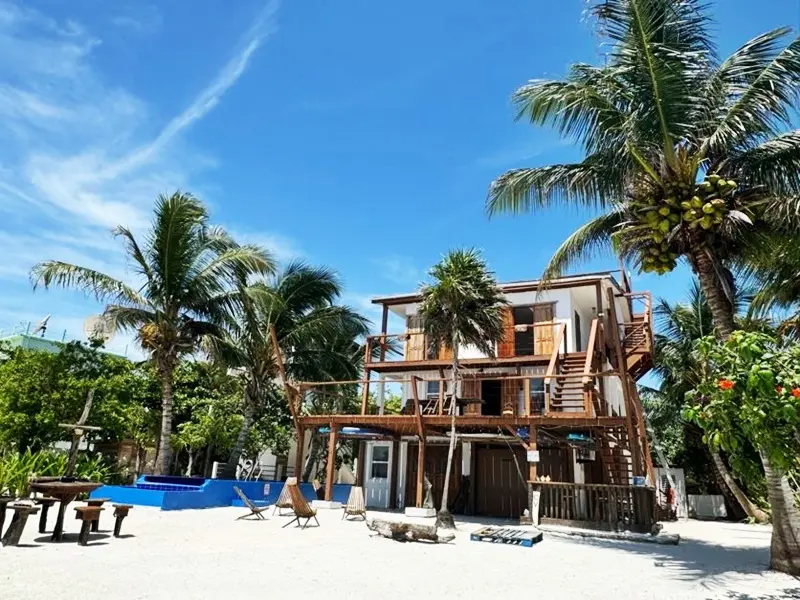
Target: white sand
207 554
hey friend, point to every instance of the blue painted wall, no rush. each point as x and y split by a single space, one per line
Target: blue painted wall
214 492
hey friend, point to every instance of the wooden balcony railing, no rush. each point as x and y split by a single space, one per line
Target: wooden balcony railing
597 506
538 339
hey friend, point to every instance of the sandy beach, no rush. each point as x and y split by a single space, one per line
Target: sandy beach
208 554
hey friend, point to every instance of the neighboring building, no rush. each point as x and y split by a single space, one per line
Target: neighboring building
583 434
31 342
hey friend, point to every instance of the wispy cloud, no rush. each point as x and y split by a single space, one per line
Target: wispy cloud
74 163
398 269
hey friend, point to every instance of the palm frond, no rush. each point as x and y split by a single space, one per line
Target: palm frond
773 164
587 241
103 287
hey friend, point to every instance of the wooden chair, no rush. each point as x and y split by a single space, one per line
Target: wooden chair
285 499
254 510
355 504
301 508
120 512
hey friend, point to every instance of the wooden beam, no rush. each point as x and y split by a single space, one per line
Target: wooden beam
526 386
298 458
408 423
532 446
393 476
442 383
417 407
420 472
623 377
361 464
513 433
330 472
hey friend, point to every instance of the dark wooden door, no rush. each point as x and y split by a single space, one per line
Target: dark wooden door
499 490
557 463
435 468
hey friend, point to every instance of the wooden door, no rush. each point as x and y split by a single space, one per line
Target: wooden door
445 353
415 339
557 463
471 389
505 348
510 396
543 331
499 489
435 468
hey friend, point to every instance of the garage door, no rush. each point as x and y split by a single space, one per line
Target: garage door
435 467
499 491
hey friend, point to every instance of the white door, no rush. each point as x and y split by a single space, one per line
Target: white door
378 474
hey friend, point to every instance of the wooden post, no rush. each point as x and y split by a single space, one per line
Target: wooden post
384 326
298 457
393 476
526 386
441 392
532 446
330 473
623 379
365 391
361 464
420 472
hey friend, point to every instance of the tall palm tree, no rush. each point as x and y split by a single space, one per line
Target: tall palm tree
462 306
686 156
680 325
186 276
315 336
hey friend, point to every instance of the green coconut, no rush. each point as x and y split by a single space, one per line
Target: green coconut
706 186
706 222
688 216
664 211
732 184
718 203
713 178
696 202
664 225
686 205
708 208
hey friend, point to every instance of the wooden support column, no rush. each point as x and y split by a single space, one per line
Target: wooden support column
532 474
361 465
298 457
384 327
331 470
393 477
623 379
420 472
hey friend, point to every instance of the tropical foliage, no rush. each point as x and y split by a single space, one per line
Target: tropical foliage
186 277
18 468
461 306
687 156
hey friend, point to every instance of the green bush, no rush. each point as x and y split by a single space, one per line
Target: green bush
18 468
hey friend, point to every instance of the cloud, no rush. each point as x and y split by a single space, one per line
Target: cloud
398 269
76 159
283 249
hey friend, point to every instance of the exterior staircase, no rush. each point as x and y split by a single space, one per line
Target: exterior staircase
612 445
568 394
638 346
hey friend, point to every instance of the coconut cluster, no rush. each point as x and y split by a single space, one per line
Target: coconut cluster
702 205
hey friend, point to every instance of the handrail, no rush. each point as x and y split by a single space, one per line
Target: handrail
590 348
552 365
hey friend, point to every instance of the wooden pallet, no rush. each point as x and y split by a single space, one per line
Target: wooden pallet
498 535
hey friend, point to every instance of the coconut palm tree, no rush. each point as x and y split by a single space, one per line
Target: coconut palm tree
186 273
315 335
680 325
462 306
686 156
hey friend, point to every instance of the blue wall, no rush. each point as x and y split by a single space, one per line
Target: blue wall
214 492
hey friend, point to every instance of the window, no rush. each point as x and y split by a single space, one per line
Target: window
432 389
380 462
537 396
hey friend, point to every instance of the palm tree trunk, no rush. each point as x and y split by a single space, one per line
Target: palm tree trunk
785 546
444 519
207 460
718 302
313 451
163 460
750 509
229 472
191 463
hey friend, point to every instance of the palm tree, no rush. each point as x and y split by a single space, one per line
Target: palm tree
680 326
315 336
186 277
463 306
686 156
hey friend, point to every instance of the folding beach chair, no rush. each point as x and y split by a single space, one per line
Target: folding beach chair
254 510
285 499
301 508
355 504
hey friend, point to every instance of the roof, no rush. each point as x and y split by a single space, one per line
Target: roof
516 286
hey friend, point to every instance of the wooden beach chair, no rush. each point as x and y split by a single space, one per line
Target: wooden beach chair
285 499
355 504
254 510
301 508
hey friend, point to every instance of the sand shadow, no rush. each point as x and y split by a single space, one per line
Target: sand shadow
787 594
72 538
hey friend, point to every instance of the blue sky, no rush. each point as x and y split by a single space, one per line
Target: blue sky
361 134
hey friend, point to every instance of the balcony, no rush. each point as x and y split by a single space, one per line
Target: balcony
523 344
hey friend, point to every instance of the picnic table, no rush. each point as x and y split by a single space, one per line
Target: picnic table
65 492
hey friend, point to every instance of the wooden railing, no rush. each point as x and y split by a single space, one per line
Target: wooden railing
541 340
637 334
597 506
552 366
594 354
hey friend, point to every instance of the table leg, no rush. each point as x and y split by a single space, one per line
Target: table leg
2 517
43 519
58 532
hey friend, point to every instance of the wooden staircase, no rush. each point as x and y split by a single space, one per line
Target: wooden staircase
637 345
618 467
568 394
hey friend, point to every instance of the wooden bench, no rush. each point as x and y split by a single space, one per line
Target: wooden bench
4 502
120 512
96 502
87 514
45 502
14 531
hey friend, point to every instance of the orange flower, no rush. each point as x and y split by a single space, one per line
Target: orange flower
725 384
796 392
